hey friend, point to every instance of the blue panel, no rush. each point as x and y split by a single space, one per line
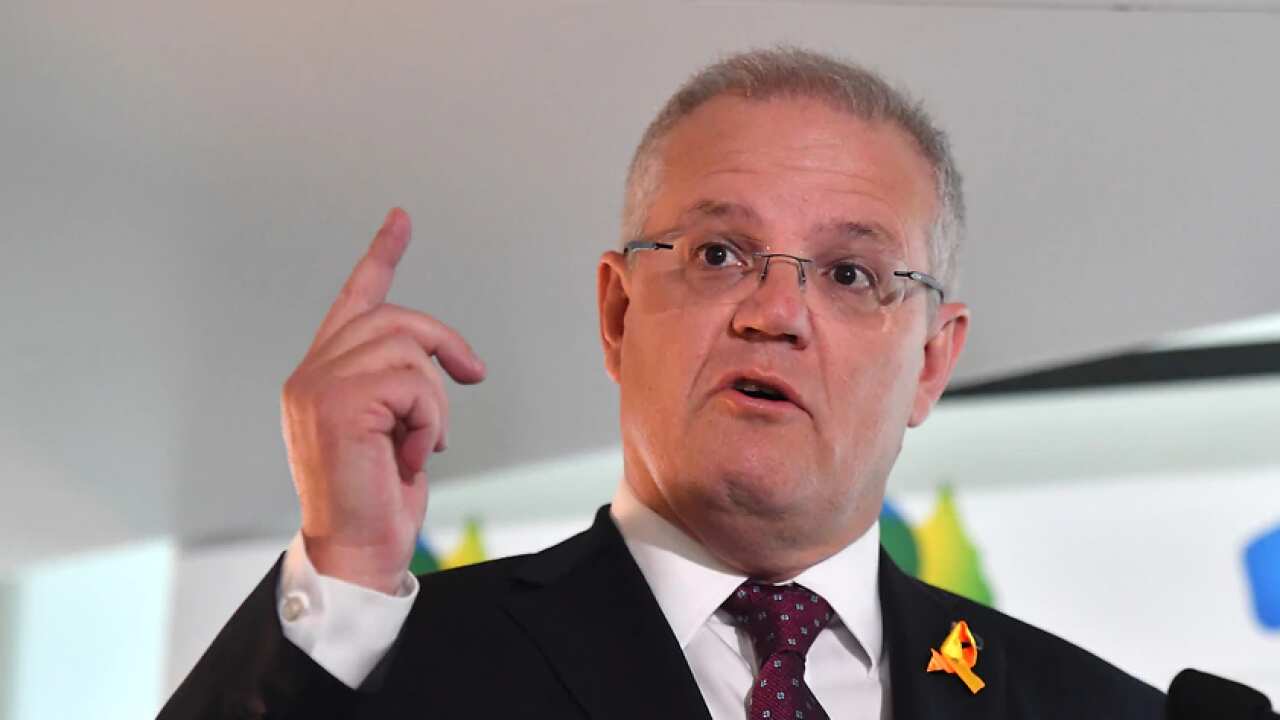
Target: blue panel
1262 562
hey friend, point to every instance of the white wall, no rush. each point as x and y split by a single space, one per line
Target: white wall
185 185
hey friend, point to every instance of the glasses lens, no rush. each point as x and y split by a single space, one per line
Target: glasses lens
711 268
858 284
715 268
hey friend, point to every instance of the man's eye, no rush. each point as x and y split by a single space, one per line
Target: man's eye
850 275
716 254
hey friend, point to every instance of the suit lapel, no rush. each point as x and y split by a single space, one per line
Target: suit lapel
916 618
588 608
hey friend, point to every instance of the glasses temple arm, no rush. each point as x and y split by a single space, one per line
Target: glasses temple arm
924 279
645 245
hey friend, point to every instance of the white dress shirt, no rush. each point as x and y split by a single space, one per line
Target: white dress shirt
846 666
346 628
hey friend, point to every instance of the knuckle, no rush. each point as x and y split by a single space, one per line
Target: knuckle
354 294
328 401
346 294
415 381
383 315
386 313
292 390
407 348
410 319
426 394
398 310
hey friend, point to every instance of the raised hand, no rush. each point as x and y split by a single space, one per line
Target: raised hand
361 414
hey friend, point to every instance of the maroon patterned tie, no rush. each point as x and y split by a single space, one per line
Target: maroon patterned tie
783 621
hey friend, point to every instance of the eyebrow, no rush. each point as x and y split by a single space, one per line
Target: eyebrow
719 209
852 230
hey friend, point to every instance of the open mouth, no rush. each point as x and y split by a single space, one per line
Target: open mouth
759 390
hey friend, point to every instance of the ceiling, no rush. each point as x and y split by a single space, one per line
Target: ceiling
185 186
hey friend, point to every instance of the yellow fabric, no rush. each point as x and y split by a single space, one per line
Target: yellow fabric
957 656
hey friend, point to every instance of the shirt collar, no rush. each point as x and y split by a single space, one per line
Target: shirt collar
690 584
850 582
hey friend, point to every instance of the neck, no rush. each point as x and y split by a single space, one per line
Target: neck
773 549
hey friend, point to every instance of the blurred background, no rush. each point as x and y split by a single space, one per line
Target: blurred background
185 185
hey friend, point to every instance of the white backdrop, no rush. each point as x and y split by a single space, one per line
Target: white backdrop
184 186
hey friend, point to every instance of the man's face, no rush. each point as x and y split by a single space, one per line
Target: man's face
804 475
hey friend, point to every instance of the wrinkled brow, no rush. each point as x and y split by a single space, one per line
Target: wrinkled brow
719 209
841 230
856 231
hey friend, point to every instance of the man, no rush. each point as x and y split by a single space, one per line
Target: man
779 315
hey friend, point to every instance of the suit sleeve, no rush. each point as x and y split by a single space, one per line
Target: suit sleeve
252 671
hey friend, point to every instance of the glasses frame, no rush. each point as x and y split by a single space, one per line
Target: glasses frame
921 277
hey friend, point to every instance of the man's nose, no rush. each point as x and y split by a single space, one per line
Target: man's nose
776 307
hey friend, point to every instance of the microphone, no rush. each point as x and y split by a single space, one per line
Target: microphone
1200 696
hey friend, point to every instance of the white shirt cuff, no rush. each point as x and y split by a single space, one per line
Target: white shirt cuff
345 628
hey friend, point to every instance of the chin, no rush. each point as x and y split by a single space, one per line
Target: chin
770 484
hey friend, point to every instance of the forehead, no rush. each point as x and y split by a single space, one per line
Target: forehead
798 165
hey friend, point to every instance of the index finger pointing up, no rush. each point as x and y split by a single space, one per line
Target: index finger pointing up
370 281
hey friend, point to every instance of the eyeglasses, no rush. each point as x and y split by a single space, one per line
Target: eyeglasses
713 268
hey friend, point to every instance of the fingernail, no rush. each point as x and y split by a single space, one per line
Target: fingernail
387 220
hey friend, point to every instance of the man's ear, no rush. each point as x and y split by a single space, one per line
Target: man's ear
950 328
612 299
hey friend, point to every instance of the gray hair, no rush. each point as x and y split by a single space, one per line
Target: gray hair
793 72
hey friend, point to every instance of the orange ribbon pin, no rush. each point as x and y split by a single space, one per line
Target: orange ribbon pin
957 656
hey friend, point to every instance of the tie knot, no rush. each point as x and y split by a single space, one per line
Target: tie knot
779 618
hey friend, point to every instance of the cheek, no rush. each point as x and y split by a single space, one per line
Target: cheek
872 397
663 357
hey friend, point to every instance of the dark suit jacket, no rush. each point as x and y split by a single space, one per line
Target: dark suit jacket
574 632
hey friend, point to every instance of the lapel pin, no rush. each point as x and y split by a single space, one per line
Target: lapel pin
958 655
